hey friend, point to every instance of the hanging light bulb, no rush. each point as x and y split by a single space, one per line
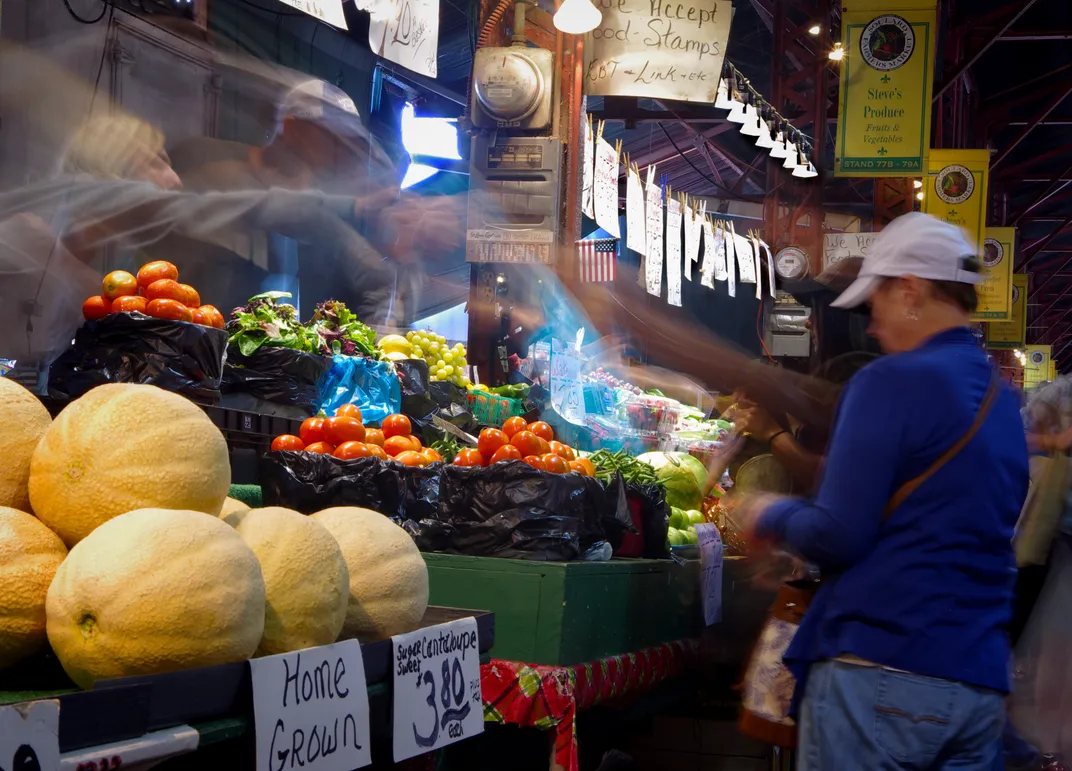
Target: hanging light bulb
917 183
837 53
919 196
723 99
765 141
814 29
790 155
778 149
805 171
575 17
752 126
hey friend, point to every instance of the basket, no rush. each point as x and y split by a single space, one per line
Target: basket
492 410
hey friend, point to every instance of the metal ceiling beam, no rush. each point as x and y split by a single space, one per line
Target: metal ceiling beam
658 156
1032 36
1028 164
1038 246
1055 187
1021 8
1031 127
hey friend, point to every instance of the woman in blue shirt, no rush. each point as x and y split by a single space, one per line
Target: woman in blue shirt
903 656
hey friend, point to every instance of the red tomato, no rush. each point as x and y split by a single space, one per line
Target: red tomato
129 303
542 430
351 450
193 299
560 449
396 425
469 457
556 464
374 436
208 316
118 283
377 452
96 307
312 430
338 430
587 465
536 462
415 442
578 467
169 309
165 289
287 442
154 271
527 442
545 446
320 448
506 452
349 411
490 440
396 445
513 425
432 455
411 458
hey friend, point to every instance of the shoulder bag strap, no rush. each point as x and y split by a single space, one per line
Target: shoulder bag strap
912 485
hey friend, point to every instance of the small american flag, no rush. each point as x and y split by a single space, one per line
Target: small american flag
598 258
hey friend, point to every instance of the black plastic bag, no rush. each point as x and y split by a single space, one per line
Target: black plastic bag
308 482
513 510
650 514
277 375
133 348
422 398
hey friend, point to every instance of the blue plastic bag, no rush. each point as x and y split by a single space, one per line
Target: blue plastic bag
370 385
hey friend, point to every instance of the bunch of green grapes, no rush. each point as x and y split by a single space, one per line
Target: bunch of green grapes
444 363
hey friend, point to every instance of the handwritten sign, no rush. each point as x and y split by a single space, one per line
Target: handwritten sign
731 272
406 32
658 48
588 170
567 390
763 248
634 212
842 246
437 698
325 10
707 268
29 736
673 252
653 210
311 709
692 241
710 572
746 259
605 188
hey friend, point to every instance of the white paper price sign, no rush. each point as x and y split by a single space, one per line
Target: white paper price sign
30 736
567 389
311 709
436 688
710 572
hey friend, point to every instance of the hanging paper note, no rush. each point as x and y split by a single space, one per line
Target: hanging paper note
605 188
673 252
326 10
707 270
720 253
635 228
406 32
758 262
653 210
588 170
770 264
689 257
699 213
731 270
567 391
746 261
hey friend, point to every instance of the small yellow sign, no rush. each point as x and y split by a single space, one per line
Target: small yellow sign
1007 335
995 289
884 106
1037 369
956 189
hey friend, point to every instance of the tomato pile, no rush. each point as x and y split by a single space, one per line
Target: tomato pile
346 437
156 292
532 443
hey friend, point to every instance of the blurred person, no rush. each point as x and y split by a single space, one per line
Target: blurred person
902 658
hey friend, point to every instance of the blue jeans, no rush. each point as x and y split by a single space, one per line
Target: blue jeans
874 719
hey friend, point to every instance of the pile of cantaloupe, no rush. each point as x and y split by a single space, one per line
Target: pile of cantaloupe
164 571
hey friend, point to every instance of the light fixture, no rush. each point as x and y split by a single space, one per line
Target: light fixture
835 55
917 183
739 113
790 155
723 99
751 127
815 29
765 141
575 17
919 196
804 169
778 149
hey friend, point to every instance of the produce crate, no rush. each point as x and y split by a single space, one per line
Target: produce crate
572 612
492 410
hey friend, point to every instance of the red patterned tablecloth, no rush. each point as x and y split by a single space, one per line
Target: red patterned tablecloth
549 697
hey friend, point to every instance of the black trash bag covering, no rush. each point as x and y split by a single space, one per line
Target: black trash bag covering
309 483
133 348
278 375
513 510
654 517
422 398
413 376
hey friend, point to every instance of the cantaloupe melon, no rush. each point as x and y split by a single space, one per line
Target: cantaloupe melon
388 577
305 578
123 447
155 591
23 421
231 506
29 556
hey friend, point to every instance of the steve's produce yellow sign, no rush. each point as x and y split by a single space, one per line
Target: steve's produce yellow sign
884 108
995 290
955 189
1037 369
1007 335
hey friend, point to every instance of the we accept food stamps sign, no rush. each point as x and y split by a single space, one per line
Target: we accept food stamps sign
437 698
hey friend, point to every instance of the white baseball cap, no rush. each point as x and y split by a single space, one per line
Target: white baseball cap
914 244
